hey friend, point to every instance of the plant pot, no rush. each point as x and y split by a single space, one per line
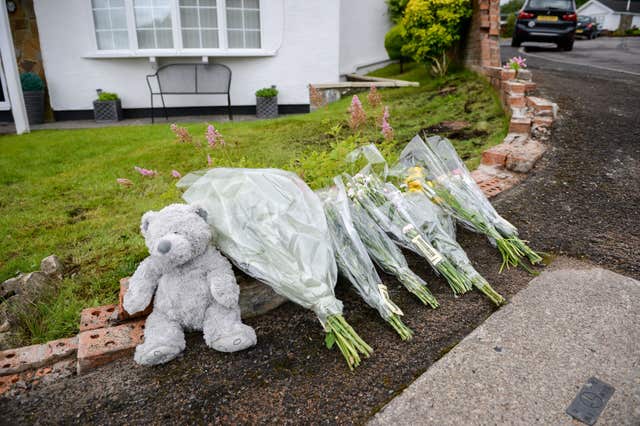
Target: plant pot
34 104
266 107
107 111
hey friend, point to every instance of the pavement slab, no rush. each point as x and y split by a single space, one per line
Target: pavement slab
526 363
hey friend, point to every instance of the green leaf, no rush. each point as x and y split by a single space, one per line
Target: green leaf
330 340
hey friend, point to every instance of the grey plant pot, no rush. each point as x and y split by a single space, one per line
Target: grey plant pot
267 107
34 104
107 111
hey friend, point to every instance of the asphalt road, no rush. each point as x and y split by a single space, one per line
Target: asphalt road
581 200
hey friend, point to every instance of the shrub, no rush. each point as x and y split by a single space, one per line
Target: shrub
31 82
432 26
396 9
267 92
107 96
508 28
393 42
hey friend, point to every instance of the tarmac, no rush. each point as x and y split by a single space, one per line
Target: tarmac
527 362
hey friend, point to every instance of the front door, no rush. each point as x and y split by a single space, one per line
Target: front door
4 96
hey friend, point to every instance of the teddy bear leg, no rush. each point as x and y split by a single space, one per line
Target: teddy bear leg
224 331
163 340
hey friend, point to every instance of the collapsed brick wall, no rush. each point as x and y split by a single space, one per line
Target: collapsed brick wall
481 47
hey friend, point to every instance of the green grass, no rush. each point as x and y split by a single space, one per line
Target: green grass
59 194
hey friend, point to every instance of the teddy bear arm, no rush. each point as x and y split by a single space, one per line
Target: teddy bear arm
223 284
142 286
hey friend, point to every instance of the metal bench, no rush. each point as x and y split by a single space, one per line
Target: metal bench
190 79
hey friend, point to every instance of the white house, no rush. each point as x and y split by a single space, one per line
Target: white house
612 13
114 44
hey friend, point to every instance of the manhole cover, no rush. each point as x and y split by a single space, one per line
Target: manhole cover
590 401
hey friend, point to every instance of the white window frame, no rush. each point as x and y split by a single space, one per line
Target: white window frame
178 49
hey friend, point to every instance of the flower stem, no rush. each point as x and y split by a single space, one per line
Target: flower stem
412 283
350 344
397 324
485 288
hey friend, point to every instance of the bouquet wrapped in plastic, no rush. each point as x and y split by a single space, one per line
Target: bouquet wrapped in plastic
273 227
435 168
427 216
354 262
388 256
377 199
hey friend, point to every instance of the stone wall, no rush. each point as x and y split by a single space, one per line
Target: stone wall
24 30
481 47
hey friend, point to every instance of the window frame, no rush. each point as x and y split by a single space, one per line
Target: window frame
178 50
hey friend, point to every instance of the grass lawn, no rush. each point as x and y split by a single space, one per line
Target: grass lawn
59 194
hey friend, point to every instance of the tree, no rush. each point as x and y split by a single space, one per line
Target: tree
393 42
511 7
396 9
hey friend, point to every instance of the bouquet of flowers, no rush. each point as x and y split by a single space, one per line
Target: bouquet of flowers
426 216
354 262
436 169
388 255
369 192
273 227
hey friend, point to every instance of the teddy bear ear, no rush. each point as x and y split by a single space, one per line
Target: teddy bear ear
201 212
146 220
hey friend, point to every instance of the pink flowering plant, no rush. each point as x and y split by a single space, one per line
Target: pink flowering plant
214 137
374 97
387 130
516 63
182 133
358 117
145 172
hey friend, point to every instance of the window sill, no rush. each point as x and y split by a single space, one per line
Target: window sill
169 53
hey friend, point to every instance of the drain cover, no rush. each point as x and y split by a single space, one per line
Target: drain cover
590 401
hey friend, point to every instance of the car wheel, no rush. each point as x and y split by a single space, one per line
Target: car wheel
515 42
568 46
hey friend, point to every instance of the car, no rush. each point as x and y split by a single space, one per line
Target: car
587 27
550 21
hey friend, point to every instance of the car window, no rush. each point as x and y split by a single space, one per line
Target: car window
584 19
550 4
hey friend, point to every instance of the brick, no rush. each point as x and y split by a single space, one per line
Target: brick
524 75
97 317
530 87
507 74
124 315
522 158
543 121
484 5
520 125
494 29
514 87
539 104
6 382
495 156
99 347
31 357
516 101
491 187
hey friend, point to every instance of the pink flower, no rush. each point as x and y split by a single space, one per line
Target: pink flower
387 130
214 137
358 116
315 97
124 182
145 172
209 160
374 97
182 134
516 63
176 174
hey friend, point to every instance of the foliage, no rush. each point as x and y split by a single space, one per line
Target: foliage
440 66
396 9
107 96
393 43
267 92
94 198
510 26
432 26
31 82
511 7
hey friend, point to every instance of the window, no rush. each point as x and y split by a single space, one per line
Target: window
110 21
243 23
176 24
153 24
199 23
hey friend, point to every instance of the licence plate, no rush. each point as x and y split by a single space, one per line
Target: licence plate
547 18
578 31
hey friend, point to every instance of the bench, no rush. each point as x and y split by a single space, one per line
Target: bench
189 79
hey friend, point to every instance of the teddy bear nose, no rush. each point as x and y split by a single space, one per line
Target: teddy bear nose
164 246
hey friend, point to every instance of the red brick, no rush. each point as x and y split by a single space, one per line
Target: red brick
514 87
124 315
97 317
31 357
520 125
530 87
539 104
507 74
494 29
523 157
495 156
484 4
6 382
543 121
99 347
516 101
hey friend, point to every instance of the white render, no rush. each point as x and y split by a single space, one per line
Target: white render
311 41
608 18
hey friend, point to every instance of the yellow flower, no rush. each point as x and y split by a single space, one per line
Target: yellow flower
414 185
416 172
430 184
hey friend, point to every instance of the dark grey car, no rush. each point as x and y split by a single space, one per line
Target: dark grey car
551 21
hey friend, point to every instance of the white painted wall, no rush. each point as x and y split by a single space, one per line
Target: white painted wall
303 34
603 15
636 21
363 25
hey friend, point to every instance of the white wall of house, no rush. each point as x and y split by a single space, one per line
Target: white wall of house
363 25
300 42
603 15
635 21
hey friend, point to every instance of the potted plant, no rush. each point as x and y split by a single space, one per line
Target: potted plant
267 102
107 107
33 92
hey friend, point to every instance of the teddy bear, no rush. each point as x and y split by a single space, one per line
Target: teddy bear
193 284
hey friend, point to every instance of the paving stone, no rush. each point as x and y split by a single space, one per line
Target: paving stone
104 345
97 317
31 357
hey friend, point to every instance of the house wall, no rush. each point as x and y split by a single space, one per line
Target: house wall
363 25
610 21
304 35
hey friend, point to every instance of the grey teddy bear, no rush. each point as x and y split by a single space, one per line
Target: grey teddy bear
194 287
